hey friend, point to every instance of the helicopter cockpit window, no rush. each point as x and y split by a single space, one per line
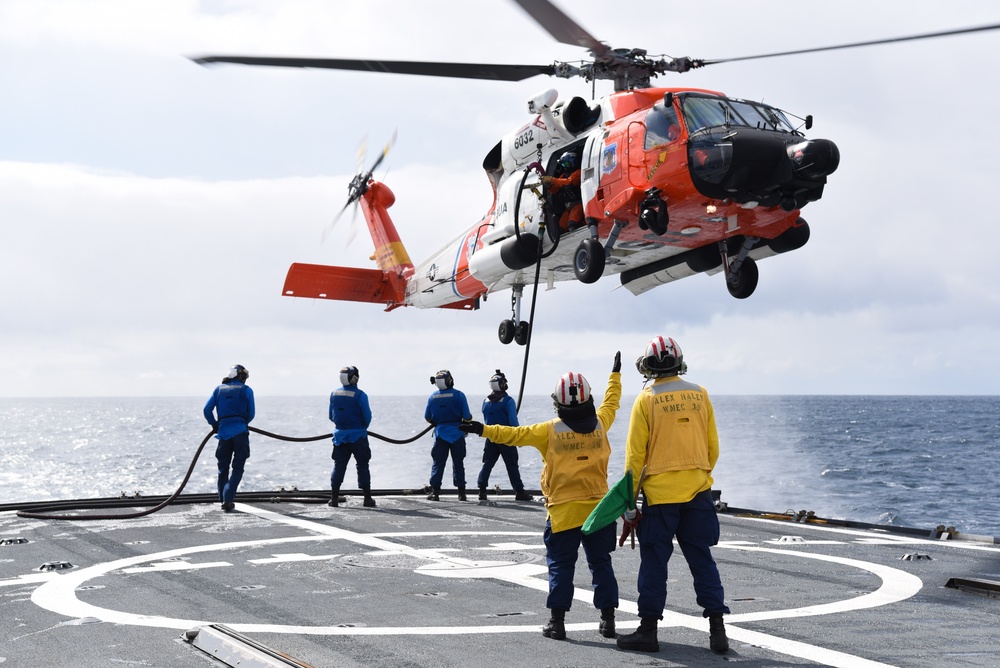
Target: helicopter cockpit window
761 116
661 126
709 112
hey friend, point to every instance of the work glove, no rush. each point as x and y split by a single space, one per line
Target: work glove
617 366
471 427
630 520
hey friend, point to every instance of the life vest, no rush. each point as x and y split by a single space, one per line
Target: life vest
576 465
678 428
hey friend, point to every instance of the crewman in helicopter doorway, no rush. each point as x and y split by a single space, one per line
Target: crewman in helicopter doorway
351 416
500 408
575 452
230 410
446 408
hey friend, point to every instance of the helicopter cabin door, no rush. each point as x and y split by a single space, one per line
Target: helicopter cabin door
590 174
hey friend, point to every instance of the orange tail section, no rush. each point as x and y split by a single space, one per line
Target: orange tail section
385 285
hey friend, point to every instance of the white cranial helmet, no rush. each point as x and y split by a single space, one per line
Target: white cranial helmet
572 389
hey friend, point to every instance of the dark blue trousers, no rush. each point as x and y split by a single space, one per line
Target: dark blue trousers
695 524
231 451
362 452
560 554
491 453
439 455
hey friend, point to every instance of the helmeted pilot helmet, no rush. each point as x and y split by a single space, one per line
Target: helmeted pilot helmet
568 162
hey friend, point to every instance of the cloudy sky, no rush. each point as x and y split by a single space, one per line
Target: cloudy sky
150 207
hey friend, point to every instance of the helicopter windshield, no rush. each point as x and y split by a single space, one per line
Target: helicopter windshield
702 112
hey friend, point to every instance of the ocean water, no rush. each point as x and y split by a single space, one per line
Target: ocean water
908 460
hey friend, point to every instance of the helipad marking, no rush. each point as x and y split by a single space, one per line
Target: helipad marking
293 556
175 566
58 594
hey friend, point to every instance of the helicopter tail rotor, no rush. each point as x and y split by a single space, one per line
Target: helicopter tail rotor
357 188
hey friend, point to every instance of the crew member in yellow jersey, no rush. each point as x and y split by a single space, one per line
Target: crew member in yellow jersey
672 434
575 452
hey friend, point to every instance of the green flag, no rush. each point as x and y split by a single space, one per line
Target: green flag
615 502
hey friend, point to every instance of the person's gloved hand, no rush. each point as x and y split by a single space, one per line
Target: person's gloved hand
630 520
617 366
471 427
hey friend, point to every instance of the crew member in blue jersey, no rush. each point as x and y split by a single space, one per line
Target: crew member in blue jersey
575 452
351 415
446 409
672 434
230 410
500 408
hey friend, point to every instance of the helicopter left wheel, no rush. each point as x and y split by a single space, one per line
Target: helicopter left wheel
742 283
507 331
522 332
588 262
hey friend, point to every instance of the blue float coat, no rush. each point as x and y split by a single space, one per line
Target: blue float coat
501 411
350 414
446 409
233 401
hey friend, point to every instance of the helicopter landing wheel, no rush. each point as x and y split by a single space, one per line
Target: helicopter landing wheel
742 283
588 262
507 331
523 330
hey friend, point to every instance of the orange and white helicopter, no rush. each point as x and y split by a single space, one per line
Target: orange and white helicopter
672 182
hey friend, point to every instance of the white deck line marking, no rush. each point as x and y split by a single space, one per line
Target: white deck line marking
866 536
175 566
58 594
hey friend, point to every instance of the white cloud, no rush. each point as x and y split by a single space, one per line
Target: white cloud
149 208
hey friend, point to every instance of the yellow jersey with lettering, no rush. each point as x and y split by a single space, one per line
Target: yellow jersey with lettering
672 434
563 515
576 465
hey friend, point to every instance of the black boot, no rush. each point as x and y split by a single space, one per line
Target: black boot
521 495
556 627
435 494
461 494
482 493
334 499
644 638
717 640
607 626
369 501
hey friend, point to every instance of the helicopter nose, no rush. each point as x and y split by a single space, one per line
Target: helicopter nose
814 158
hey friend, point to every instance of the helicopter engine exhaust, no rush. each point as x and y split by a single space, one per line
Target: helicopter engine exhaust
513 253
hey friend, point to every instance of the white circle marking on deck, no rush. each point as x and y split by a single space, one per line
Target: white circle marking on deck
59 595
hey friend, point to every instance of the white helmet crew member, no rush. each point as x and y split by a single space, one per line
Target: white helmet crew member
351 416
230 410
575 452
672 434
447 408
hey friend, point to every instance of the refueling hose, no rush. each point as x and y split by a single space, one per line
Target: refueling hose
540 255
34 513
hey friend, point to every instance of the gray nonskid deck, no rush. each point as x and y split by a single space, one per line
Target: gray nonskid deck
419 583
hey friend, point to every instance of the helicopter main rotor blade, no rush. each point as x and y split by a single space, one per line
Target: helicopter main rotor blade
944 33
455 70
562 27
